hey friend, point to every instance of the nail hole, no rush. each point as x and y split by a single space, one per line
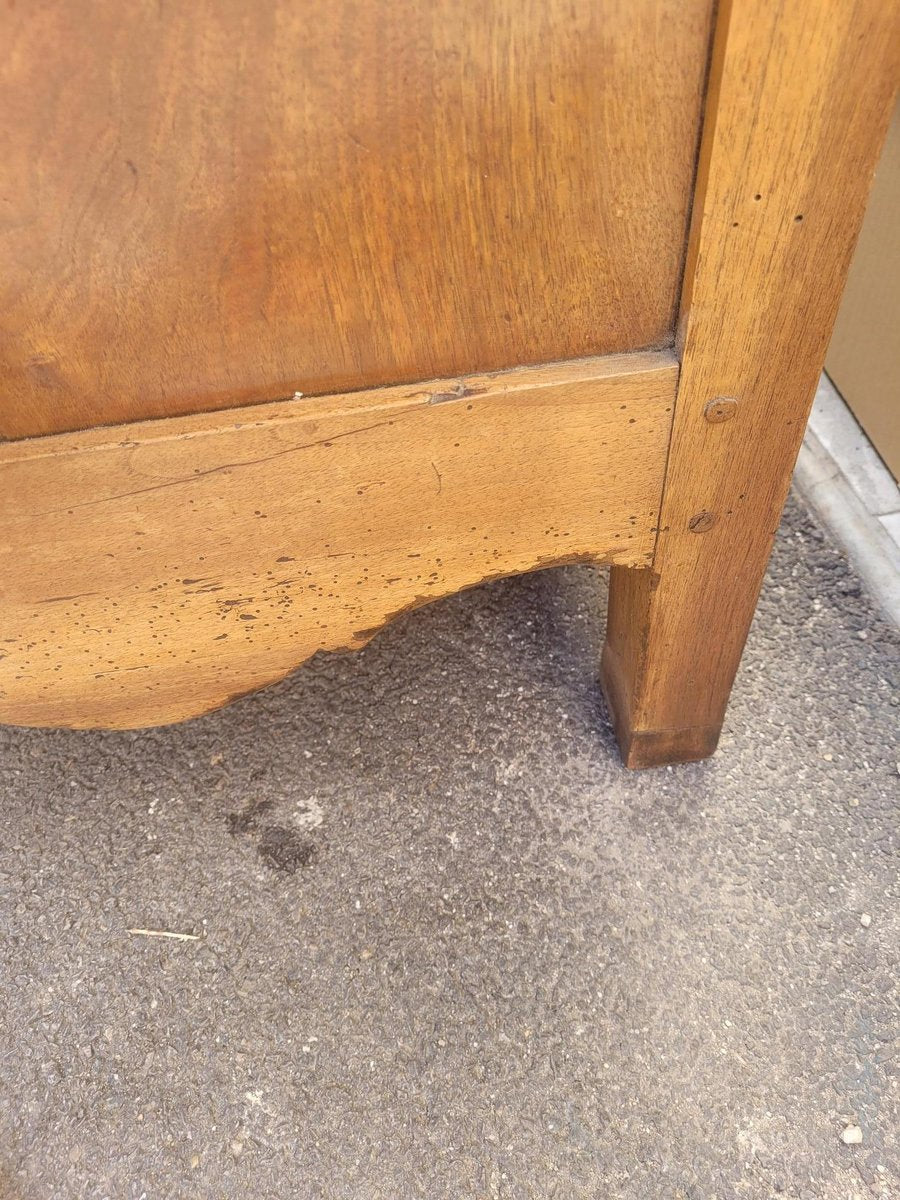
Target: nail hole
799 217
758 196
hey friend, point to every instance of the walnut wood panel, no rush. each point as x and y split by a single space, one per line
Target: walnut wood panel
228 201
151 572
799 99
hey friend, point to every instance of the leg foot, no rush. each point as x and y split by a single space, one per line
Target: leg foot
650 747
666 707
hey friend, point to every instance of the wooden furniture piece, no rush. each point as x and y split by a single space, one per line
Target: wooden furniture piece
235 239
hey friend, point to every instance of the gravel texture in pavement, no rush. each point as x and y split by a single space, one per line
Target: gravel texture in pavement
445 946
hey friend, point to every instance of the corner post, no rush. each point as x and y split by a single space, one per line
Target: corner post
799 99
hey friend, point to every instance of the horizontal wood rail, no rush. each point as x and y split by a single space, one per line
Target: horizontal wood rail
151 572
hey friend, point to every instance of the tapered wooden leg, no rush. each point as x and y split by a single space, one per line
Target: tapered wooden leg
666 683
799 98
663 707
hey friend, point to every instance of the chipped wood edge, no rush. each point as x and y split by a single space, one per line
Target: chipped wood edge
153 572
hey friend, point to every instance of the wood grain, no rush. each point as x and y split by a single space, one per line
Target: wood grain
223 202
150 572
799 99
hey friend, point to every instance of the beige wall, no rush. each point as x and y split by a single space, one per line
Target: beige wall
864 357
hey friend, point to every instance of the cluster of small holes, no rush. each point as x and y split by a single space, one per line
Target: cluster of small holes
757 197
313 608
